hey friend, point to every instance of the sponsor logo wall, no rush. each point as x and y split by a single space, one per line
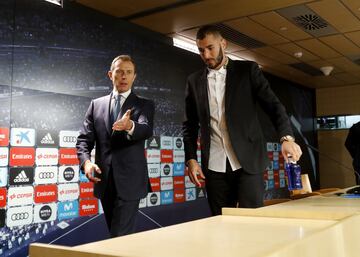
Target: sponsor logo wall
274 175
167 172
40 178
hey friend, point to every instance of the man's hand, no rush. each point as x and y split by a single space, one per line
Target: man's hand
194 169
89 169
289 148
124 123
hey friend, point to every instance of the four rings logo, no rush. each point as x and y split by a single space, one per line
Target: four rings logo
46 175
68 138
20 216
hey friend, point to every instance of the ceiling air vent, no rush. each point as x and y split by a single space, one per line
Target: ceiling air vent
238 38
308 20
356 61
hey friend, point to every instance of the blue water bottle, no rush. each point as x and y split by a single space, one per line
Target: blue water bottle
293 172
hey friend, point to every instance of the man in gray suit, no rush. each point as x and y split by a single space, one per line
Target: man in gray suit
118 125
221 102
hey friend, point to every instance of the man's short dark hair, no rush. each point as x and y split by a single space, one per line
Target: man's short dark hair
124 58
207 30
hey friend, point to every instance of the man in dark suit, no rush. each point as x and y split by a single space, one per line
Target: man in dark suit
118 125
352 144
221 102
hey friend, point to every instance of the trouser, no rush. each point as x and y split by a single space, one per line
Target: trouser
234 189
120 214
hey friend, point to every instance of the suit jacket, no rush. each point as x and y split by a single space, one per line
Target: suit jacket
245 88
116 150
352 144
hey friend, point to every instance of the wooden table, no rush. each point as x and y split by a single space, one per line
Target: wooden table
317 226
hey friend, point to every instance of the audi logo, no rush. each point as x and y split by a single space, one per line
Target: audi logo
20 216
44 175
69 139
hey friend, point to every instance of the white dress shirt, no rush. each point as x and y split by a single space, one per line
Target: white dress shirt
123 98
220 145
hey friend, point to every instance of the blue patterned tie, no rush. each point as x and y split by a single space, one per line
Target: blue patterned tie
116 108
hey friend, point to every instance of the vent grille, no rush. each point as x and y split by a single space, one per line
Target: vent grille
310 22
357 61
238 38
306 68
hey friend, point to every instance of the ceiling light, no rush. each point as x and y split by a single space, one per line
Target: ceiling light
190 45
298 54
57 2
185 43
235 57
326 70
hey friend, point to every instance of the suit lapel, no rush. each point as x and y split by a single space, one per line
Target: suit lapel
229 83
203 94
106 113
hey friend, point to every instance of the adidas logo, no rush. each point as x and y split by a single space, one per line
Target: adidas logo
47 139
153 143
21 177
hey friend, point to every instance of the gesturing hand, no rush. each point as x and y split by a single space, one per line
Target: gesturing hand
124 123
89 169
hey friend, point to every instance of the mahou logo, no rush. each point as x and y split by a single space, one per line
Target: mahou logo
88 207
153 199
45 193
4 136
166 169
86 190
20 195
22 156
45 212
68 174
178 143
68 156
